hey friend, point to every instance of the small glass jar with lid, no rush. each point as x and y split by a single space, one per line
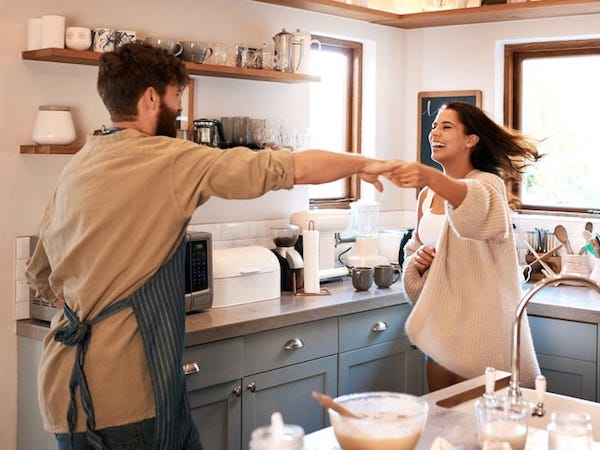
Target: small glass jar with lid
54 126
569 431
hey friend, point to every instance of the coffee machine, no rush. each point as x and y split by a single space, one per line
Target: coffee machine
290 260
329 223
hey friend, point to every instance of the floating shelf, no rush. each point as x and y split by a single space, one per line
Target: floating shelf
90 58
480 14
35 149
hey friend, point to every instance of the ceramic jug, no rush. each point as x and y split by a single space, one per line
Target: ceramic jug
301 52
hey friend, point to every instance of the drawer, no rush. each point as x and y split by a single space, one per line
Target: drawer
214 363
372 327
575 340
290 345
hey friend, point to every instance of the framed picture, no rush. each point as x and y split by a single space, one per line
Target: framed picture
429 104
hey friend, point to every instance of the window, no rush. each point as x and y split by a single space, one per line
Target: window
335 113
552 94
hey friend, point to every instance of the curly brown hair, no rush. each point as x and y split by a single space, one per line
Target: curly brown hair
500 150
127 72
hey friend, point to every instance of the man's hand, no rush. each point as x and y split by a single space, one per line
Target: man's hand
374 168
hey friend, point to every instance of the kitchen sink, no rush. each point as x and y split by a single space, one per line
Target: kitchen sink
552 403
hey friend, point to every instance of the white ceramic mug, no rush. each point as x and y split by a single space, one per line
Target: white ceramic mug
53 31
78 38
104 40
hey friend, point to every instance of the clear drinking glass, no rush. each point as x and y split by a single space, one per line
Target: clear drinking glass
500 420
569 430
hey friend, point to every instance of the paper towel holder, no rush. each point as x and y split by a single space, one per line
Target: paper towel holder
301 292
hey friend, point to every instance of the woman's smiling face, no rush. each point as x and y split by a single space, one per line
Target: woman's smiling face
447 137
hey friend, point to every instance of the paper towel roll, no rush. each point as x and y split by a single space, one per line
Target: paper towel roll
310 249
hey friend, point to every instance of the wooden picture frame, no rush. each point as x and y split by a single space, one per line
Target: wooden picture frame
428 105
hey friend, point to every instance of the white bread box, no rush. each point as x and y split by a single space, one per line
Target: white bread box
244 275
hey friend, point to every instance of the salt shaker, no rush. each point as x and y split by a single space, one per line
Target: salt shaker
277 436
569 430
54 126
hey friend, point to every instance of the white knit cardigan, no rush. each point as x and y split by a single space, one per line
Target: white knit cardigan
464 304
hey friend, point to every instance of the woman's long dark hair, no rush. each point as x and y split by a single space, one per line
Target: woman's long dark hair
502 151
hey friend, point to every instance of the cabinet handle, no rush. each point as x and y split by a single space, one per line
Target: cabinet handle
379 327
191 368
293 344
251 387
237 391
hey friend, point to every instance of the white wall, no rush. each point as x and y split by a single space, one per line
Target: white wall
399 64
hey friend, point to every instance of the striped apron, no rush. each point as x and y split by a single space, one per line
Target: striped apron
160 311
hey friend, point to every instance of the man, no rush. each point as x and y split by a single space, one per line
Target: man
110 251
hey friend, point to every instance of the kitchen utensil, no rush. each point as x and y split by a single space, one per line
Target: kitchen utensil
327 402
591 244
208 132
589 226
283 49
563 237
195 51
548 270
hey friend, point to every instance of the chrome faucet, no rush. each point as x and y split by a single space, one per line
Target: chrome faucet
514 390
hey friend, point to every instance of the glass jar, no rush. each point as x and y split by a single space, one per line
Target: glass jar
54 126
569 430
292 438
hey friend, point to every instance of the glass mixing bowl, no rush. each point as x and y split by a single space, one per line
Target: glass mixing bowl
389 421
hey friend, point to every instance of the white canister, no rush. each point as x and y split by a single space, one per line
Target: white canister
53 32
34 33
54 126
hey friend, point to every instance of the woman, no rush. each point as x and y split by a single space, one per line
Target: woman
460 268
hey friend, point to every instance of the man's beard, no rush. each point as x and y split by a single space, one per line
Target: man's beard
166 124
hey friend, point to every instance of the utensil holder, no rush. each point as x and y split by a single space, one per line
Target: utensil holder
554 262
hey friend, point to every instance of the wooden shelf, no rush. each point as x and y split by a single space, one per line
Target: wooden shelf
35 149
482 14
90 58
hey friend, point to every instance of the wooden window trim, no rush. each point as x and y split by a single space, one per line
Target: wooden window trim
514 55
354 120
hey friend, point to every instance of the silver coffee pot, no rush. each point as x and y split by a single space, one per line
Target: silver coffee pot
283 51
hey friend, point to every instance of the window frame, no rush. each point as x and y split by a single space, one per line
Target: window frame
514 55
354 120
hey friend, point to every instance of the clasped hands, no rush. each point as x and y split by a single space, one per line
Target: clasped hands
403 174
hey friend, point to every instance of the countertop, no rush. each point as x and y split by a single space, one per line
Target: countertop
562 302
456 427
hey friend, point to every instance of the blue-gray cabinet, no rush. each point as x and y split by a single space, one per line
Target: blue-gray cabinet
376 355
567 352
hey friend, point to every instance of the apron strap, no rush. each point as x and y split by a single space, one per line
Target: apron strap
79 333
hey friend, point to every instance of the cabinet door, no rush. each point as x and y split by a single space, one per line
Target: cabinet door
381 367
567 376
567 353
288 390
217 412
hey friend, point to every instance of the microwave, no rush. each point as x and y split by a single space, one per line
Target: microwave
198 278
198 271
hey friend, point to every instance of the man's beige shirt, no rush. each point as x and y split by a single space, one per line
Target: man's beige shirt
119 211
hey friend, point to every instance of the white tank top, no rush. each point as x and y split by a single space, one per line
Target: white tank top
430 225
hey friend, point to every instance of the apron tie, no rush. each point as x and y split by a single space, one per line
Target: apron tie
79 333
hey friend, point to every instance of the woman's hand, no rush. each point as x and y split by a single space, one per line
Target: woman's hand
423 258
411 175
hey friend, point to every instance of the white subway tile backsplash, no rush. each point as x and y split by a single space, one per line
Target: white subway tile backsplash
235 230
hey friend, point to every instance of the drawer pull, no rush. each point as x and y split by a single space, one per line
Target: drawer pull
379 327
251 387
191 368
237 391
293 344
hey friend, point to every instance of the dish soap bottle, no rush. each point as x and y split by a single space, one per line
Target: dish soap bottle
277 436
